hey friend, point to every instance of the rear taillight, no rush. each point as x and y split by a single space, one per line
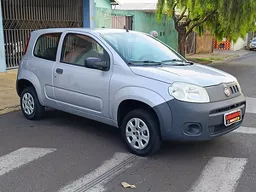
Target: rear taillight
26 46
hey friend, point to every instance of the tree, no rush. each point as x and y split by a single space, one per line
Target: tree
223 18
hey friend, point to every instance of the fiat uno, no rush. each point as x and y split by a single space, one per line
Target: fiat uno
128 80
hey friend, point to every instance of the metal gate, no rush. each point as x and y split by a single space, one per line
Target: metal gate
20 17
120 22
191 43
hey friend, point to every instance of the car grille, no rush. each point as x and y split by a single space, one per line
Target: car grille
234 89
215 130
220 110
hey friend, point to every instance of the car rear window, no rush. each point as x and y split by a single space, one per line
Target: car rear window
46 46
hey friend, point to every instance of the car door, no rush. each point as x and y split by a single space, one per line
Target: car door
42 63
78 87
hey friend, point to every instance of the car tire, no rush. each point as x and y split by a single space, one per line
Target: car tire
30 105
146 132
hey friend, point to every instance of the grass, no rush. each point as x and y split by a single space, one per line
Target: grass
206 60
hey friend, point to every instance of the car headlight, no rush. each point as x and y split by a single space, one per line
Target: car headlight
189 92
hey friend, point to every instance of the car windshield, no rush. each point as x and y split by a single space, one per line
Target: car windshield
254 40
141 49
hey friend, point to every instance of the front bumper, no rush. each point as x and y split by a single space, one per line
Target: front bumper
208 118
253 46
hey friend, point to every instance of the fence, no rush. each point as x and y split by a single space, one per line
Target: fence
20 17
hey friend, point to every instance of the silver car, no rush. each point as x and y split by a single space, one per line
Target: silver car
253 44
129 80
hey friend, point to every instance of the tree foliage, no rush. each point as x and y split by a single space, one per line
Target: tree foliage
223 18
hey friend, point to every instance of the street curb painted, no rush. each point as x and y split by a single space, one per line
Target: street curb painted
229 58
9 109
234 57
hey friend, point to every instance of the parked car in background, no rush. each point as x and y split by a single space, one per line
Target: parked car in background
129 80
253 44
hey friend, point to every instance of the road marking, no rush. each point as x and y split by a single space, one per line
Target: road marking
250 105
21 157
246 130
94 181
220 174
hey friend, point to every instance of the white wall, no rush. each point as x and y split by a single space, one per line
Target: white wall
239 44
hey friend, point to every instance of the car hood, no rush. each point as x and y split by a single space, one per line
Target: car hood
197 74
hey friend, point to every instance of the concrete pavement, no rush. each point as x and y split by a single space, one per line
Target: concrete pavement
9 99
218 56
69 153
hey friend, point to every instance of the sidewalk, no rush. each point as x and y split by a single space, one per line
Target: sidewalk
9 100
217 56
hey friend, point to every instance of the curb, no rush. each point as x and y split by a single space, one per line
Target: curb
229 58
9 109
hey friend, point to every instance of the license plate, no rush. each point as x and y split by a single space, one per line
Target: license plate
232 117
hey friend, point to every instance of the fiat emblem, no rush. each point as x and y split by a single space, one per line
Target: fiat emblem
227 91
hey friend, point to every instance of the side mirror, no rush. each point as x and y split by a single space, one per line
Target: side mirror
94 62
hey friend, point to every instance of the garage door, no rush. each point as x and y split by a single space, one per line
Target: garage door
20 17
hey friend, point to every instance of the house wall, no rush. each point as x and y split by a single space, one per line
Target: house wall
239 44
103 4
204 43
143 22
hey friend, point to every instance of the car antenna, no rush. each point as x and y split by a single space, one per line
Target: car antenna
121 22
126 29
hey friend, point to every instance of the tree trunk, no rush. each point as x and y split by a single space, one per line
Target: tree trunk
182 44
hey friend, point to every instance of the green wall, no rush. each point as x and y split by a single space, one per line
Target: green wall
143 22
103 4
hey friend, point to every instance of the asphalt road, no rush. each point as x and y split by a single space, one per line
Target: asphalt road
67 153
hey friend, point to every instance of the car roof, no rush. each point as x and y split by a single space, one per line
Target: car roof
89 30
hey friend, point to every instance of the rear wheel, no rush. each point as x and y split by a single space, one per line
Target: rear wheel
140 131
30 105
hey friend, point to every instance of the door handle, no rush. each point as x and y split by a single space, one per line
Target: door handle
59 71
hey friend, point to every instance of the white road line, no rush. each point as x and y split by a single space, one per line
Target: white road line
21 157
250 105
94 181
246 130
220 174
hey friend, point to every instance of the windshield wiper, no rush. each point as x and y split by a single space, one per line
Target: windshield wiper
172 60
177 60
148 62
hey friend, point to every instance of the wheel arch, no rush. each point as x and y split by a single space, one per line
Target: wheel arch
27 78
130 104
130 98
147 99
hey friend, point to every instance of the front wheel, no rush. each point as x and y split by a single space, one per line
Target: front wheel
140 130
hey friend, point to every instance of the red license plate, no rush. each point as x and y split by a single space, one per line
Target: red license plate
232 117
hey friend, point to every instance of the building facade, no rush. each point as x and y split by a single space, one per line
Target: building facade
135 16
19 18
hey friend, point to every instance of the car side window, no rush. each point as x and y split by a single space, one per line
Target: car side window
47 45
77 48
